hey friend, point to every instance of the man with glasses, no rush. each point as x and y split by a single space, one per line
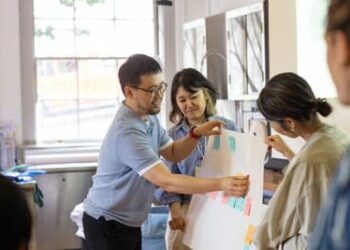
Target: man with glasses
129 165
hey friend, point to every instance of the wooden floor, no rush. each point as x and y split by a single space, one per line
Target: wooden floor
272 179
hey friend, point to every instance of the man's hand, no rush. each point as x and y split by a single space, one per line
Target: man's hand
235 185
212 127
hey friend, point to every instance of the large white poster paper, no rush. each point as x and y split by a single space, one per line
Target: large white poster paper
214 220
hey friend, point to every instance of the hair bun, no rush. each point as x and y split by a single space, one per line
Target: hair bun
323 107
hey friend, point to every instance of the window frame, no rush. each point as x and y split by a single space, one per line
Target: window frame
28 70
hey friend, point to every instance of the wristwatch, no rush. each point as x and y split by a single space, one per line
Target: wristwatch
192 134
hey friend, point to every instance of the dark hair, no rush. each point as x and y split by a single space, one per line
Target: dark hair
15 217
136 66
192 80
338 17
289 95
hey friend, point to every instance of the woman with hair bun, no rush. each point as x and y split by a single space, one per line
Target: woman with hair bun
291 107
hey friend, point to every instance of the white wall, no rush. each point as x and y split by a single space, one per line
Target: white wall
10 80
282 36
312 64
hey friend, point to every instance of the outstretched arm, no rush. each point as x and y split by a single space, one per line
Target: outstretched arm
184 146
177 183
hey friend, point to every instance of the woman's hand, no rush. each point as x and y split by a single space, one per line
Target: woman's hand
277 143
177 221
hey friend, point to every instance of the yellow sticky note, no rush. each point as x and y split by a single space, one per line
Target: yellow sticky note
249 234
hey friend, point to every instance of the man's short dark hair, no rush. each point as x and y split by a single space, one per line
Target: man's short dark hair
136 66
15 217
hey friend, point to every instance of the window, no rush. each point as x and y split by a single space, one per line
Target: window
78 48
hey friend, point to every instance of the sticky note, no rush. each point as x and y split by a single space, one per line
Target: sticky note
225 198
240 204
232 201
247 207
213 195
246 247
216 143
232 144
249 234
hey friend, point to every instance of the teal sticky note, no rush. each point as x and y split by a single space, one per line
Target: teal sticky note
232 143
240 204
246 247
216 143
232 201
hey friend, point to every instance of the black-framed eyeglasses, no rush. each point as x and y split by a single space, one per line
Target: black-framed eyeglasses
153 91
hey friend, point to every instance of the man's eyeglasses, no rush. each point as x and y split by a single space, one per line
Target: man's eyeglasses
156 90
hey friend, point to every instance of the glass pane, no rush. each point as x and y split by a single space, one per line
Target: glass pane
95 116
96 38
137 9
121 96
237 54
255 65
201 49
190 49
97 79
195 49
54 38
56 79
57 120
53 8
140 40
94 9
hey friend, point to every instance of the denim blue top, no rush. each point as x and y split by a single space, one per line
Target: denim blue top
189 164
332 230
130 148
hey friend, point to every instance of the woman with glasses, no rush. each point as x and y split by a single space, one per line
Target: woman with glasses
288 102
193 99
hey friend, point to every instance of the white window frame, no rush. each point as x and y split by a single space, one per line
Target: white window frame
28 68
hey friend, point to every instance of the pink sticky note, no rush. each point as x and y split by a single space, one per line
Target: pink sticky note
247 207
213 195
225 198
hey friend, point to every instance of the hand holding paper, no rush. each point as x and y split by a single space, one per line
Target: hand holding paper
277 143
177 221
212 127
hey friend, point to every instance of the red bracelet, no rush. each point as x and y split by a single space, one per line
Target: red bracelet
191 133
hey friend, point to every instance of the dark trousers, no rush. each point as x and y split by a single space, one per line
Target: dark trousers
105 234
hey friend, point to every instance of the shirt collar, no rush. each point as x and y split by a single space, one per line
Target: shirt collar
149 124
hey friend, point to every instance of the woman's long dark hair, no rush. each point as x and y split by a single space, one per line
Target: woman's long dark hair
192 80
289 95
